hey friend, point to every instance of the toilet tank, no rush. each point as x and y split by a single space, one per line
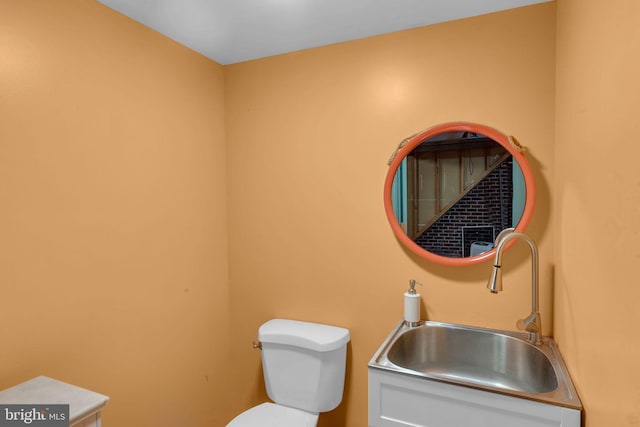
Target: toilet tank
304 363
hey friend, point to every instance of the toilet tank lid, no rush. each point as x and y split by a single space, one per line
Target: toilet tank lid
312 336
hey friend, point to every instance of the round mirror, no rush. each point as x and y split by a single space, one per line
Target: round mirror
452 188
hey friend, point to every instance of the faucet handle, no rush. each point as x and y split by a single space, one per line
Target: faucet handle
531 323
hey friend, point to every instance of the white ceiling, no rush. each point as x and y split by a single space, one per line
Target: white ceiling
230 31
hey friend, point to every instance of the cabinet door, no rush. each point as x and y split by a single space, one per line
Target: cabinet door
401 401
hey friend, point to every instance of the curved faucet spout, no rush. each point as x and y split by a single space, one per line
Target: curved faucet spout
531 323
502 234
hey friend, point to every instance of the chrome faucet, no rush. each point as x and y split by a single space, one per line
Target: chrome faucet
532 323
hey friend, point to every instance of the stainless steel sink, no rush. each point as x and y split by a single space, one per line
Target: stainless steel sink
487 359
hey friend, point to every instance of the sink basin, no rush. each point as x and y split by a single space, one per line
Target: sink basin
481 357
492 360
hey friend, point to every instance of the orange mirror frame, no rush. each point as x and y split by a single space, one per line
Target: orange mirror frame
509 143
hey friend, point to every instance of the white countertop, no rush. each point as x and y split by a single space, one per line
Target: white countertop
44 390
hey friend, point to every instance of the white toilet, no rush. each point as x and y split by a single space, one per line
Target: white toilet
304 366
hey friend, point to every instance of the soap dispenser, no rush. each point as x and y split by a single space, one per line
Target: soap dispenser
412 305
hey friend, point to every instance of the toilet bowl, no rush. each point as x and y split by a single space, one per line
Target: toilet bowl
274 415
304 368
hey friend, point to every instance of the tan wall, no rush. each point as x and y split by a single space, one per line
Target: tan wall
597 248
113 259
113 256
309 134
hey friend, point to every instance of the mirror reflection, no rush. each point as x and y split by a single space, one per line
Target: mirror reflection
455 192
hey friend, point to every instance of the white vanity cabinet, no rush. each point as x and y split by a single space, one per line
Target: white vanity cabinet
402 400
85 406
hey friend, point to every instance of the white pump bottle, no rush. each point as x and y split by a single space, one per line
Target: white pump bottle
412 304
